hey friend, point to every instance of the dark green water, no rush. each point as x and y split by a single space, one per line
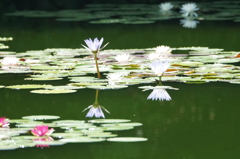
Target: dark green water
201 121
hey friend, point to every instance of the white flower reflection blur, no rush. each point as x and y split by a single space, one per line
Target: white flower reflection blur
189 23
96 110
159 94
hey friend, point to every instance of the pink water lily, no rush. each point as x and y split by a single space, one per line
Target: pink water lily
42 131
3 122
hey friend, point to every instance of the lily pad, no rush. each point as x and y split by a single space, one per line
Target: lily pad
109 121
41 117
27 86
82 140
127 139
55 91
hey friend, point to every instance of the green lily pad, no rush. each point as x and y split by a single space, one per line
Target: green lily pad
82 140
8 147
55 91
107 87
50 143
41 117
101 135
27 86
122 124
66 135
127 139
109 121
43 79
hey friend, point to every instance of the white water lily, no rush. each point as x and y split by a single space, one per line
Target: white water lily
159 66
189 23
165 7
189 9
163 49
114 77
160 52
9 61
94 45
159 94
122 58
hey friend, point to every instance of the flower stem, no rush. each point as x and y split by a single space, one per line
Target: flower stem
160 81
96 63
96 96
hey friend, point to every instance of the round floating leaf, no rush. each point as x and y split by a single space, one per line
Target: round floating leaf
100 135
27 86
66 135
50 143
109 121
41 117
127 139
59 122
8 147
64 87
117 128
57 91
156 87
33 124
47 68
43 79
82 140
108 87
122 124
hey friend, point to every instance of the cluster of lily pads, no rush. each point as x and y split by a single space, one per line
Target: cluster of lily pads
143 13
193 65
32 131
117 69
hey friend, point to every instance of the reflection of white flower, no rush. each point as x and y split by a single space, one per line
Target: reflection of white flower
9 61
159 94
189 23
165 7
189 9
123 58
95 110
160 66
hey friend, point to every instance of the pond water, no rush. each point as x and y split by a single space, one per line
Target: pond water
201 120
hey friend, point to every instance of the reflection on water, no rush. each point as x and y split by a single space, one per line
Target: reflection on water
159 94
95 110
189 23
